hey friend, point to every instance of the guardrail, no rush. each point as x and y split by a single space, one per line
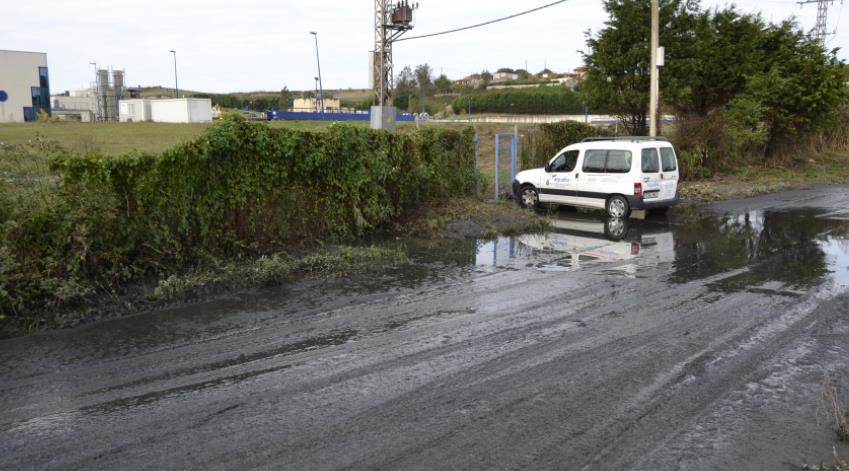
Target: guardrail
330 116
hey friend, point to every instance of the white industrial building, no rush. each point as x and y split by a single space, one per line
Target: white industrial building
134 111
174 110
75 105
24 86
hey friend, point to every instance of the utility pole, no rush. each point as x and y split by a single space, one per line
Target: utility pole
390 22
821 29
655 71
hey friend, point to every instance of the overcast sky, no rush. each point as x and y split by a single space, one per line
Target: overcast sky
245 45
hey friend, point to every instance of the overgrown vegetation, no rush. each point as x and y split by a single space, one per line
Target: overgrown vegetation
838 464
273 269
546 140
836 409
742 89
242 189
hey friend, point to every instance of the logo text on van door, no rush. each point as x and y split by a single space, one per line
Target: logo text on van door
559 181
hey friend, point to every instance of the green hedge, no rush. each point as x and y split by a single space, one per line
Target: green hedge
240 188
541 100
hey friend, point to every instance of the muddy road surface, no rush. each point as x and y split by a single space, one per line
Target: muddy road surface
697 342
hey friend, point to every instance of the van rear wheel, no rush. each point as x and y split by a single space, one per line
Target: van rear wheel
618 207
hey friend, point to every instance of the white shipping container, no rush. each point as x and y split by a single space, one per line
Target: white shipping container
134 111
181 110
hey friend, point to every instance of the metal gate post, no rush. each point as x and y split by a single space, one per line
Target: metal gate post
513 149
477 137
497 149
515 152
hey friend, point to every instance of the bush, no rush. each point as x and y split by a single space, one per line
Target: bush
542 143
541 100
241 188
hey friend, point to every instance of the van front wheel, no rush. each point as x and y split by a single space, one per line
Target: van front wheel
618 207
529 197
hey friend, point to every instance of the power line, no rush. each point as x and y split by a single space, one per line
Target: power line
485 23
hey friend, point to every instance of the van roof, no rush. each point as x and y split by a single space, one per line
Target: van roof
623 143
625 139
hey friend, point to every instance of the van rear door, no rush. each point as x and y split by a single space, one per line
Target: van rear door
668 173
651 180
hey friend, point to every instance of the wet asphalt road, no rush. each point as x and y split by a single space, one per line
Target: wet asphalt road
698 343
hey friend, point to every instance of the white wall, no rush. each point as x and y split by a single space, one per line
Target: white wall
73 102
134 111
200 110
18 73
181 110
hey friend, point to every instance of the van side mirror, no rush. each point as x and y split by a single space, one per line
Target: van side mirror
548 167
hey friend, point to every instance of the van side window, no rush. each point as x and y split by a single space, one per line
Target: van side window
667 156
650 161
565 162
607 161
618 161
594 161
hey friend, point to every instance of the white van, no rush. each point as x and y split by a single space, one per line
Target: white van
617 174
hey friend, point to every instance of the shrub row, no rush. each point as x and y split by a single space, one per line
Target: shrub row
240 188
542 100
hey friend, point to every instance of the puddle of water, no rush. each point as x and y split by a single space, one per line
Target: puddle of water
797 249
777 252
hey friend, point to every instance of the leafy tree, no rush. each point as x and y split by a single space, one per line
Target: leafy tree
619 57
405 83
423 75
286 98
442 84
486 76
523 74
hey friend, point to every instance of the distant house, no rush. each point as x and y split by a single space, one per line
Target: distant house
581 72
547 74
473 81
314 104
569 80
505 75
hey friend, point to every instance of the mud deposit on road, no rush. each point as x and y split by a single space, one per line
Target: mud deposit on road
697 342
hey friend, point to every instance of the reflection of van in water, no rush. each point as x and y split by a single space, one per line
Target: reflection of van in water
614 174
590 240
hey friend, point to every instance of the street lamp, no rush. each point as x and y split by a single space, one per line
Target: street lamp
317 109
318 62
176 88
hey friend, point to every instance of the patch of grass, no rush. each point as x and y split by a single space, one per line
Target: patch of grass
836 409
470 218
119 138
276 269
108 138
838 464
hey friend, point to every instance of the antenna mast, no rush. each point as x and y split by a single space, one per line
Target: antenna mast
821 29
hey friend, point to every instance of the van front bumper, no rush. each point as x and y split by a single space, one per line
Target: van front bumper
637 202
